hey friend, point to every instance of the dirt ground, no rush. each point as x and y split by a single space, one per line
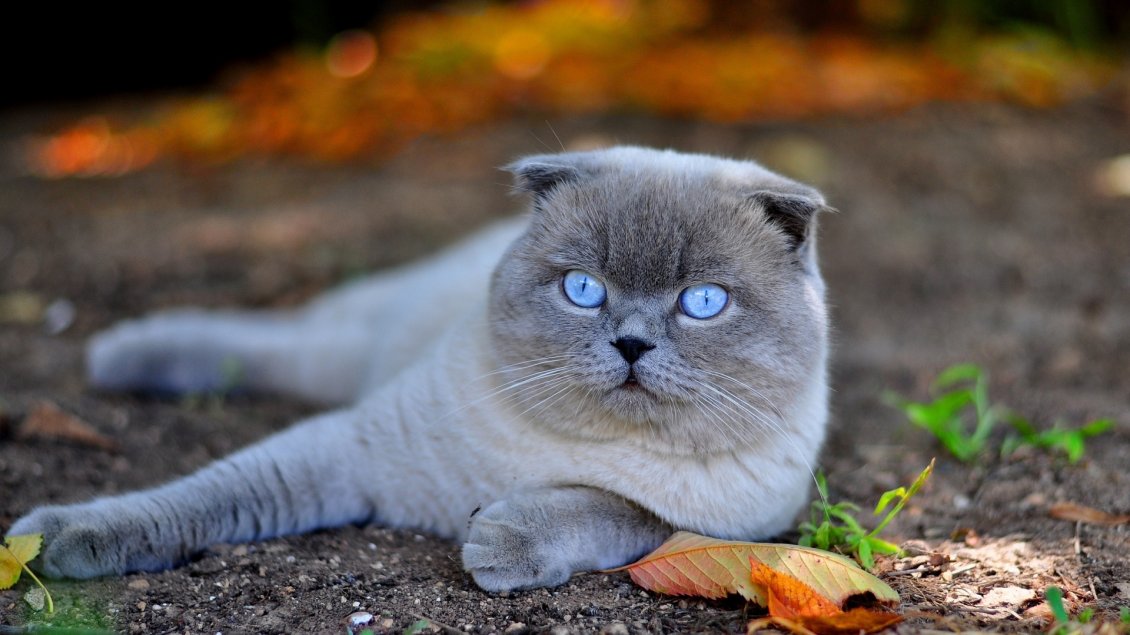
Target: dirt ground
965 234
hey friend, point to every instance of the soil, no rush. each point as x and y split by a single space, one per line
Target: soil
965 234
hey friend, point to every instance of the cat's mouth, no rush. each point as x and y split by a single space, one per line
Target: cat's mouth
632 383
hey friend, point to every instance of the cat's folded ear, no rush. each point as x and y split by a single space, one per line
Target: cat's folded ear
539 174
793 209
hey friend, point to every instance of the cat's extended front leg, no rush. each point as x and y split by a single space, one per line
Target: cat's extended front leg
541 537
289 483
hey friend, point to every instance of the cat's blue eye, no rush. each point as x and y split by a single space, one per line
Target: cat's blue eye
582 289
702 301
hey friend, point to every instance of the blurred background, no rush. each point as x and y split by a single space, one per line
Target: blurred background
338 80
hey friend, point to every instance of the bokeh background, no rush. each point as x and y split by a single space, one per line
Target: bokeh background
345 81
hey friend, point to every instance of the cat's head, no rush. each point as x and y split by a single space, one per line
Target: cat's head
669 297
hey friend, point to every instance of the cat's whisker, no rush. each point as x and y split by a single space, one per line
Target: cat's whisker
509 387
555 396
773 426
528 364
755 414
759 394
533 392
732 421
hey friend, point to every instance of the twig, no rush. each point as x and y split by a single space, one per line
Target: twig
919 569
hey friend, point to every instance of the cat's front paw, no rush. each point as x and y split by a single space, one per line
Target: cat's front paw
77 543
508 549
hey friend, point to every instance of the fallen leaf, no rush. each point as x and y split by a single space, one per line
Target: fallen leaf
788 597
851 622
14 554
690 564
1083 514
48 421
799 608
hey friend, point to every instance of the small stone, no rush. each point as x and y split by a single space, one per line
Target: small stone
141 606
358 621
58 316
36 597
615 628
140 584
515 627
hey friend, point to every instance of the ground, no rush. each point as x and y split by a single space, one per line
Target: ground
964 234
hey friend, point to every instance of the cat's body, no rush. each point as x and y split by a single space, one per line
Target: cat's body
548 433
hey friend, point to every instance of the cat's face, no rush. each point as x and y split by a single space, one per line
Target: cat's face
670 297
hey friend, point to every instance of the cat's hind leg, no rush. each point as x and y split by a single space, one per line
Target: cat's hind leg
193 351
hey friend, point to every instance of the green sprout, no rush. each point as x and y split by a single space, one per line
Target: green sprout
962 418
1069 440
835 527
1064 624
946 417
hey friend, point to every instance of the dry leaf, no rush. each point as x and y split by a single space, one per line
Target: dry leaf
690 564
852 622
16 552
48 421
1084 514
788 597
795 606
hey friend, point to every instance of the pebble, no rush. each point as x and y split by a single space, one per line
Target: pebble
359 620
36 597
140 584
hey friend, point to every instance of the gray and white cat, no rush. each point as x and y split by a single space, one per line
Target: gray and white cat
648 354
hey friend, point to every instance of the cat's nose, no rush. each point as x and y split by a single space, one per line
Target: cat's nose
631 348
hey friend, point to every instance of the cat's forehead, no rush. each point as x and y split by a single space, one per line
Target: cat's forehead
650 229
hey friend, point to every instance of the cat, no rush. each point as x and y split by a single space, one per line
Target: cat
646 351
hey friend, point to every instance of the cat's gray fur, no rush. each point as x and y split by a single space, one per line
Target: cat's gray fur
459 395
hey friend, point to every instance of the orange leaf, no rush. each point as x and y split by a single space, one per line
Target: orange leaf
852 622
788 597
797 607
690 564
48 421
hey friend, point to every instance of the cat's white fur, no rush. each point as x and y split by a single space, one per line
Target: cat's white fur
434 434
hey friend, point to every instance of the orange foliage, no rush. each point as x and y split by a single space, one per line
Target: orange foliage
427 73
797 607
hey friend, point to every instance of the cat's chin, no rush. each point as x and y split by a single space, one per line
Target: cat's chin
633 401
